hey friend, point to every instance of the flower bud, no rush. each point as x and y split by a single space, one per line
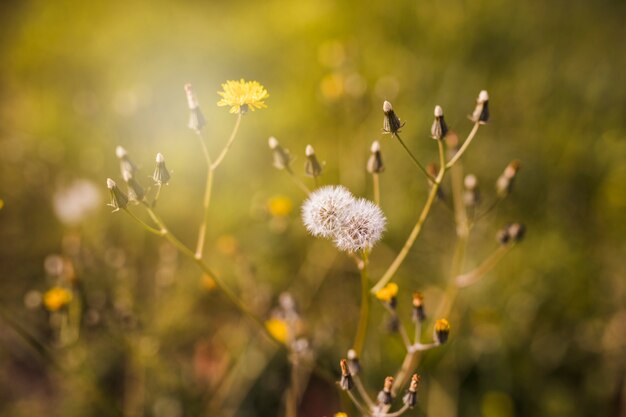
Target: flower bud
136 192
375 162
196 118
481 111
410 398
418 308
354 365
471 195
504 184
439 130
516 231
384 396
161 175
282 158
126 165
442 331
391 122
346 383
119 200
312 167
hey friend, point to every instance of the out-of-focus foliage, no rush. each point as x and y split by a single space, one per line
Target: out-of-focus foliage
543 334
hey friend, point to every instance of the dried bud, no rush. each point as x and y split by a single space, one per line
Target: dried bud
126 165
136 192
119 200
516 231
481 111
471 196
504 184
384 396
161 175
375 162
196 118
418 307
442 331
503 236
354 365
439 130
346 382
312 167
282 158
410 398
391 122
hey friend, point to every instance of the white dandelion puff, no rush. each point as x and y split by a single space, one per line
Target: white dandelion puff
323 211
362 225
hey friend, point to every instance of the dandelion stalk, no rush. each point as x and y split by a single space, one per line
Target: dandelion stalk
415 161
393 268
487 265
359 339
464 147
230 141
376 183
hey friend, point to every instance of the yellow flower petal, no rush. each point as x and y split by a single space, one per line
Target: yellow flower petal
388 292
56 297
242 96
278 329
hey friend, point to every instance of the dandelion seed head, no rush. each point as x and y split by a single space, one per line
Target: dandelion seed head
361 226
325 209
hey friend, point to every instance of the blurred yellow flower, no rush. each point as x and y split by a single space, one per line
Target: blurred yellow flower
388 292
278 329
341 415
1 203
208 283
442 325
56 297
280 206
242 96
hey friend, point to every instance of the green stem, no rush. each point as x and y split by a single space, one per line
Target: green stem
205 219
143 224
464 147
376 182
420 166
230 141
393 268
359 339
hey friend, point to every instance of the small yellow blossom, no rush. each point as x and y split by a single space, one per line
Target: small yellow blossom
242 96
208 283
280 206
341 415
442 325
56 297
278 329
388 292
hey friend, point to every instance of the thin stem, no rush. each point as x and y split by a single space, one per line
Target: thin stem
492 206
298 181
239 304
362 391
359 339
481 270
403 334
420 166
418 331
464 147
376 183
358 404
399 412
143 224
230 141
205 219
156 195
393 268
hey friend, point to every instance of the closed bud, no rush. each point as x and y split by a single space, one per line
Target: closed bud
384 396
375 162
442 331
481 111
126 165
196 118
119 200
312 167
136 192
439 130
282 158
410 398
504 184
471 195
391 122
161 175
346 383
516 231
354 365
418 314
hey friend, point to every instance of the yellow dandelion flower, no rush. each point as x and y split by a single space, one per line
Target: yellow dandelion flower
278 329
280 206
56 297
388 292
242 96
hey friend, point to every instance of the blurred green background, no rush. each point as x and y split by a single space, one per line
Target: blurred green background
543 334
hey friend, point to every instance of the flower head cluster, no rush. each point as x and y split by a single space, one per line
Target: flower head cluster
242 96
333 212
